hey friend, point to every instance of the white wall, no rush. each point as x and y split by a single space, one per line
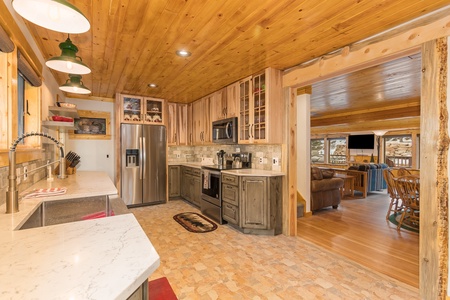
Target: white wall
96 155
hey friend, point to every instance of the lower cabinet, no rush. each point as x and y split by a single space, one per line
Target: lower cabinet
174 181
252 203
190 185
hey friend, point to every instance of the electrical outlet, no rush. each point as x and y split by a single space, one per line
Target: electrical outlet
178 155
25 173
260 160
275 161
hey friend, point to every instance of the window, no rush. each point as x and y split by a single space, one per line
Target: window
398 149
317 151
337 150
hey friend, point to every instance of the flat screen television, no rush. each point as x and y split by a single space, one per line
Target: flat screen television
361 141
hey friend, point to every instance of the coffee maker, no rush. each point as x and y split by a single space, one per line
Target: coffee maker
220 155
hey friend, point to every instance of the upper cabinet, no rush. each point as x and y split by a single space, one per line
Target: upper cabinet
261 108
201 121
177 124
224 102
136 109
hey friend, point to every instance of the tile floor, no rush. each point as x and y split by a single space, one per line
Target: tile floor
226 264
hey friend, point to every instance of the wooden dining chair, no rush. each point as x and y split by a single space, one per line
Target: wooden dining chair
408 188
395 205
403 172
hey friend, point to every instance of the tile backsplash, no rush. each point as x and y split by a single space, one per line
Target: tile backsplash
33 177
262 155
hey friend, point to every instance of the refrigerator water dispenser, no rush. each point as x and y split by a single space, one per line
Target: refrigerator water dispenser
132 158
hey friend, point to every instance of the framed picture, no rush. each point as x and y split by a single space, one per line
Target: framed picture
92 125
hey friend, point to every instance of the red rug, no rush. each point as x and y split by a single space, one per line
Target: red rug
160 289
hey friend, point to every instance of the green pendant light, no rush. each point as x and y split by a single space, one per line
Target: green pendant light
57 15
68 62
74 85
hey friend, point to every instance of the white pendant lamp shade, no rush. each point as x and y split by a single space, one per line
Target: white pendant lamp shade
57 15
74 85
68 62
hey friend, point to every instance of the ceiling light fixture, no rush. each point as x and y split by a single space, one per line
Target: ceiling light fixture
74 85
57 15
183 53
152 85
68 62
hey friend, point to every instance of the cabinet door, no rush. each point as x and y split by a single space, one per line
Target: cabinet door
172 124
254 206
259 107
197 190
153 111
201 124
131 109
182 124
232 106
219 105
184 183
245 115
174 181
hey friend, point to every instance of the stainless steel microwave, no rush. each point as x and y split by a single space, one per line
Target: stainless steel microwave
225 131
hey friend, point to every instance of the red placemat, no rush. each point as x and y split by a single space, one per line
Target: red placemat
160 289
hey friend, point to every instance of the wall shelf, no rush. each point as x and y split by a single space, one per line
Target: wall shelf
64 111
57 125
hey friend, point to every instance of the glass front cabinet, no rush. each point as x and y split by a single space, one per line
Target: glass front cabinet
261 108
136 109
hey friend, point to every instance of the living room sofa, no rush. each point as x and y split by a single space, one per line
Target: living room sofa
325 189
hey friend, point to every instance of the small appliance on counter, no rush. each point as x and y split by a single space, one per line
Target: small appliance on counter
211 199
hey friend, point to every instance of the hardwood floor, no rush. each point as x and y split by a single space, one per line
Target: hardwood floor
359 231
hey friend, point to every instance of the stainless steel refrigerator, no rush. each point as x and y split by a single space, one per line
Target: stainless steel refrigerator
144 173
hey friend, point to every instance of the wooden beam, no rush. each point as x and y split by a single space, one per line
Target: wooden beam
353 58
384 113
406 123
90 98
9 25
433 252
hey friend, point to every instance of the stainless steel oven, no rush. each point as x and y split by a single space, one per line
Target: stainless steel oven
211 200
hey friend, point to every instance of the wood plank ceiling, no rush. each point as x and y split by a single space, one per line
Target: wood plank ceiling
133 43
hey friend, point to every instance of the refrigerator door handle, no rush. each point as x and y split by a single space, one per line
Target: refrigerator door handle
141 152
144 161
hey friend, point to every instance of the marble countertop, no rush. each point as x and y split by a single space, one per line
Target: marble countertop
197 165
253 172
105 258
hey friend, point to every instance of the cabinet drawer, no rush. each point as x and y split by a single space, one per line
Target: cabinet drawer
230 179
230 193
230 213
186 171
196 172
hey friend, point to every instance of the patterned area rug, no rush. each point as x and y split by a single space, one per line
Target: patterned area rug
195 222
394 218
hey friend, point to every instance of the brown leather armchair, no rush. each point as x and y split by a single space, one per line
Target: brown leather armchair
325 189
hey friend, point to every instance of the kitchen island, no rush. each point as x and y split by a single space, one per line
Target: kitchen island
105 258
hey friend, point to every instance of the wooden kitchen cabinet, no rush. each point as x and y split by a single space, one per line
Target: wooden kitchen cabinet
252 204
201 121
138 110
224 103
190 184
174 181
261 108
177 124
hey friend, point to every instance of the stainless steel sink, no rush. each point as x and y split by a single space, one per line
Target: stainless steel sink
73 210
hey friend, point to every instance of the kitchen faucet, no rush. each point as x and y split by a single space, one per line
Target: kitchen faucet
12 195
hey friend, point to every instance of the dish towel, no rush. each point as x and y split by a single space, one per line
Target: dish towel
206 179
46 192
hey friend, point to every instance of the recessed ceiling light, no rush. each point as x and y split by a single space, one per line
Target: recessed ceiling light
152 85
183 53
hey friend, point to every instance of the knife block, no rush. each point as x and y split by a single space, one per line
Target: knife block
69 170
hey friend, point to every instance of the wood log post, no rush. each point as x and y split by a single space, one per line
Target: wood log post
433 252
